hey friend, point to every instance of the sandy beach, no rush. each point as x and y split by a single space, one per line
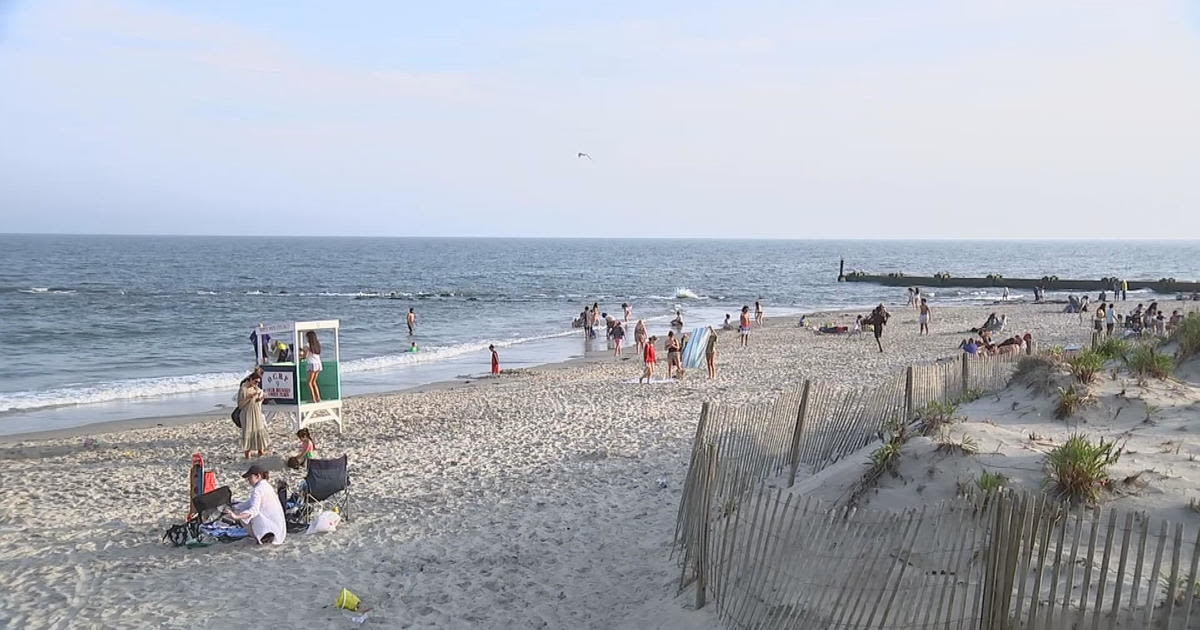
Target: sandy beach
529 501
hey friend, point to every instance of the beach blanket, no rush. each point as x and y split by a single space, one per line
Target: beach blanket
693 352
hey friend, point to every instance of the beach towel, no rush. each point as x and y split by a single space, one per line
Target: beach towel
693 352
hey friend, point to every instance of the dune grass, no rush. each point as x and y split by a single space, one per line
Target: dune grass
1144 360
1078 470
1086 365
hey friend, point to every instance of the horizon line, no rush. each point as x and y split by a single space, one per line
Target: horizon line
629 238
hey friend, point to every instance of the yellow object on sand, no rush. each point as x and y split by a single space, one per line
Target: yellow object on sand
347 600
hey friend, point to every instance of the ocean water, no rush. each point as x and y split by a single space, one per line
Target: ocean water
111 327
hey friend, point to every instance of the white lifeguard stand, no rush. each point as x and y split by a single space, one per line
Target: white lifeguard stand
285 374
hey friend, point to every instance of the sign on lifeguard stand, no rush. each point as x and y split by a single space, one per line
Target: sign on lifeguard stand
283 354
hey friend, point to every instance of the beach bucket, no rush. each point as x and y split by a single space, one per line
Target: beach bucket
347 600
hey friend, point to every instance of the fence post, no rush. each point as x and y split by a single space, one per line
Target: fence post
701 556
796 432
966 374
908 394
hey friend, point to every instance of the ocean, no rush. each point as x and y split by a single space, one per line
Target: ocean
101 328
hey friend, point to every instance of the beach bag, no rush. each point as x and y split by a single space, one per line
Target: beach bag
236 416
183 533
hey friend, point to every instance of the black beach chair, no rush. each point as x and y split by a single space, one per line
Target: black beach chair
327 487
208 505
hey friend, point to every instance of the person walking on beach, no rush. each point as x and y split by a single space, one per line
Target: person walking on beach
710 353
674 365
1110 319
411 320
923 318
649 357
639 336
628 310
254 426
758 313
618 337
744 326
878 319
909 291
495 360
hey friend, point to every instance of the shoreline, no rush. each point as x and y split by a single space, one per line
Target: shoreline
108 427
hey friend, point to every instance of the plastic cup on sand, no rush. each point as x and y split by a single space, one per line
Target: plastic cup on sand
347 600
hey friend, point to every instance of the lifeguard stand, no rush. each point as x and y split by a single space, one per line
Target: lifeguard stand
285 373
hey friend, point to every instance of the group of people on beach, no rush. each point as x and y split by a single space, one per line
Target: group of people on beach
674 346
984 346
1141 320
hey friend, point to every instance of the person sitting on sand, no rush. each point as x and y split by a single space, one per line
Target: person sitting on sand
649 357
728 325
969 346
678 321
308 449
262 512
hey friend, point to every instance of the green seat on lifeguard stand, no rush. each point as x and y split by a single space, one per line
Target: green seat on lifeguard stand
327 381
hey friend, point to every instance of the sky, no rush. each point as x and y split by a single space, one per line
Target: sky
816 119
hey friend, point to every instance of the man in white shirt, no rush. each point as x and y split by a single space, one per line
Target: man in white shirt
262 512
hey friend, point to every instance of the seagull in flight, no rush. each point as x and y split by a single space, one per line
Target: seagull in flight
584 155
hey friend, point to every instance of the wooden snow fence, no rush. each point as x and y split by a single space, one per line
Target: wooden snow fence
998 561
736 448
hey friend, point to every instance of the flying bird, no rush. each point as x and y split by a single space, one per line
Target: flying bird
584 155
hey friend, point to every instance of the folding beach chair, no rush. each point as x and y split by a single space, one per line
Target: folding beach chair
208 506
326 487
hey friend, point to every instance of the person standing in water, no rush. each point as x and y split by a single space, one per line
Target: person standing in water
744 326
758 313
411 320
628 311
923 318
649 357
495 360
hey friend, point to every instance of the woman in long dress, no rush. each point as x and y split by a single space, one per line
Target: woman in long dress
254 426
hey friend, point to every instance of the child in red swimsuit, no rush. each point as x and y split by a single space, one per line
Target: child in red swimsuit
650 357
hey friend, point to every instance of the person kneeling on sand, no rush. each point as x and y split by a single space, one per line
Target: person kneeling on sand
262 513
649 357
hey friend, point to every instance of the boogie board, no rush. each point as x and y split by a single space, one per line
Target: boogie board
693 352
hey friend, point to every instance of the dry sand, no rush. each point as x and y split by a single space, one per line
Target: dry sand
528 501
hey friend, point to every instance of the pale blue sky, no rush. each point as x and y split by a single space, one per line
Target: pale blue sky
997 118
